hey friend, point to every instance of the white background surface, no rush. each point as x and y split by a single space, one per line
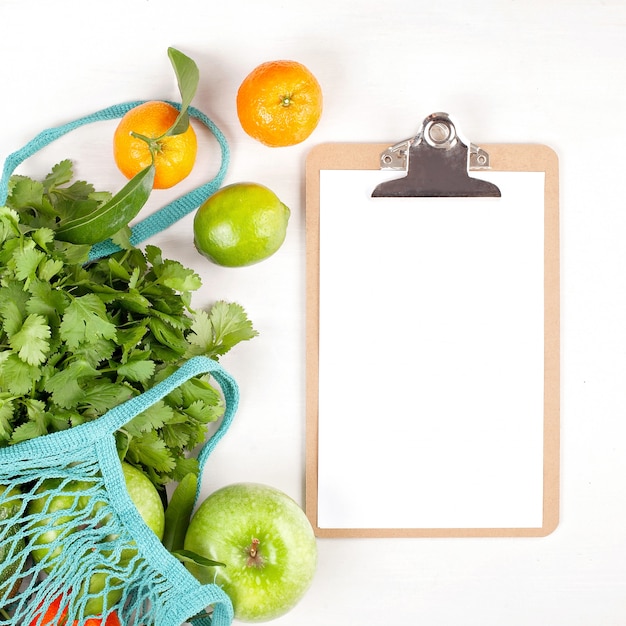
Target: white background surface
543 71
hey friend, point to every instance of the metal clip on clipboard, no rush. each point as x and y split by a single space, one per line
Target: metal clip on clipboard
437 164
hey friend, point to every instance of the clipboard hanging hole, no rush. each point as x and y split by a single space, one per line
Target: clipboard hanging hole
439 133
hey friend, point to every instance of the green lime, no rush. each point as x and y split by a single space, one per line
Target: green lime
240 224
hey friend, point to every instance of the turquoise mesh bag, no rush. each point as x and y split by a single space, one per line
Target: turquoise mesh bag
100 539
67 489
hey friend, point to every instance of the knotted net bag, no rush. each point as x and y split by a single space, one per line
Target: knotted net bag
101 550
63 496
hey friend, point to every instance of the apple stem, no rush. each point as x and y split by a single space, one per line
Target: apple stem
254 558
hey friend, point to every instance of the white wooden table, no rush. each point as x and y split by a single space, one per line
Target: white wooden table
540 71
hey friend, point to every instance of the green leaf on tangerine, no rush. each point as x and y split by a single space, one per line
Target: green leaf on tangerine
188 76
112 216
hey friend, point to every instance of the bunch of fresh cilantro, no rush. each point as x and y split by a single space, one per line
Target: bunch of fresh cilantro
78 337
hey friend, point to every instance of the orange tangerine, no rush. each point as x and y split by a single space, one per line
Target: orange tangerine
279 103
174 155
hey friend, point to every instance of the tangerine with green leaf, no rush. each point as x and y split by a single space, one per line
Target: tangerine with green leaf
174 155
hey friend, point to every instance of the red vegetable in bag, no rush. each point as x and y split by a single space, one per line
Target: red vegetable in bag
55 616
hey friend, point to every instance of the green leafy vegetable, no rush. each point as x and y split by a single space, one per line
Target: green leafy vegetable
78 338
187 556
178 512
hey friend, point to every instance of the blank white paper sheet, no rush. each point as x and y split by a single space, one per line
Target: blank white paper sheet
431 356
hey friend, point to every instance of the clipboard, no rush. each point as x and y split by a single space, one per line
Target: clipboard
432 337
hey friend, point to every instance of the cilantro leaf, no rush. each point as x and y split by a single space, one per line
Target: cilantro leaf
43 237
27 261
25 193
202 412
174 275
176 437
151 419
37 422
215 333
31 340
138 368
11 313
70 200
60 174
49 268
170 338
85 319
129 338
28 430
7 408
65 384
97 352
17 376
184 465
104 395
151 452
9 224
199 389
46 301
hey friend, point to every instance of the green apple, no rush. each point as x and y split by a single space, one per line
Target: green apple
69 505
56 515
146 498
265 542
98 602
66 509
10 507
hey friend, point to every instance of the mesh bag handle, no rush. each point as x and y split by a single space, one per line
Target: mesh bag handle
152 587
162 218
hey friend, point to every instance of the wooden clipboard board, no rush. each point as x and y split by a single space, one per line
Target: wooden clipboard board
330 513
